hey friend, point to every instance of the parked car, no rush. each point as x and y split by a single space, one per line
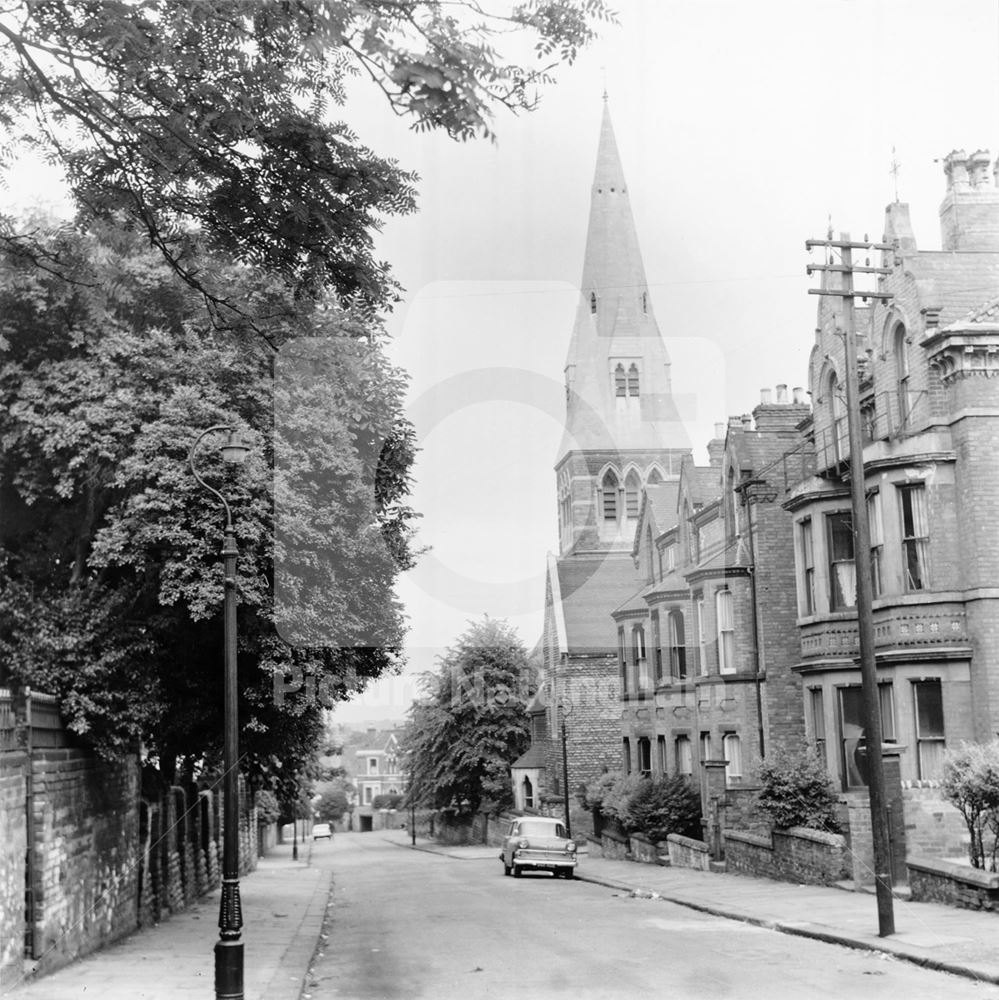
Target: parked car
538 843
321 830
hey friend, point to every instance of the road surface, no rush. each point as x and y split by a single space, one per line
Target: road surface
410 924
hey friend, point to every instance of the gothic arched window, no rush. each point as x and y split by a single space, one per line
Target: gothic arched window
632 492
902 376
633 380
841 441
608 496
620 381
655 476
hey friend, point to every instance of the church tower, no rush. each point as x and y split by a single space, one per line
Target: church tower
622 428
622 435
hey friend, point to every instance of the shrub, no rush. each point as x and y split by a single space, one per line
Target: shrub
664 805
971 782
797 791
617 798
596 791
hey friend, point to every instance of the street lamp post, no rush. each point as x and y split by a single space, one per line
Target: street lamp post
565 768
229 947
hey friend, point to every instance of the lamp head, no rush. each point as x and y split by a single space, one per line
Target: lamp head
234 449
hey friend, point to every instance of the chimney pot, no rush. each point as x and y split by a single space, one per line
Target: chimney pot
719 430
978 168
747 422
782 393
764 397
798 394
735 422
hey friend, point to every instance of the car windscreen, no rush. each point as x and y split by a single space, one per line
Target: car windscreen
531 829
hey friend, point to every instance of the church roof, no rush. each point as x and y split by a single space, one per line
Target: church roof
590 587
534 756
662 498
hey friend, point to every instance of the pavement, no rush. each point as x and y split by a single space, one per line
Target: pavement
285 902
963 942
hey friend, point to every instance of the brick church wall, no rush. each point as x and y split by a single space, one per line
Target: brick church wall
593 728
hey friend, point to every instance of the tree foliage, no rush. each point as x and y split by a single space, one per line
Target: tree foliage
971 782
213 124
462 737
796 790
110 577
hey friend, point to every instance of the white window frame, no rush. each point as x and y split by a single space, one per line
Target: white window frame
725 618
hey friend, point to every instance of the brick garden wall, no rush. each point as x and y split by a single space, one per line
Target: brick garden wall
810 857
934 881
13 839
86 854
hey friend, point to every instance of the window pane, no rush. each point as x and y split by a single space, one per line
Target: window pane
886 701
929 709
733 754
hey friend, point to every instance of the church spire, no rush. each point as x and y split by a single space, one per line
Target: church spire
613 273
617 371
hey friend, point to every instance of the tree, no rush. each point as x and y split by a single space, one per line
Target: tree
110 578
462 737
210 124
971 783
332 806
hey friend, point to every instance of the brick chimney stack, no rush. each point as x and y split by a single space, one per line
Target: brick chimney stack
969 212
783 416
716 447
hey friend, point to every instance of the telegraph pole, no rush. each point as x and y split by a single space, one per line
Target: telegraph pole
862 559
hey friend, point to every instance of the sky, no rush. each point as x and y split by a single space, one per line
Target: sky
744 129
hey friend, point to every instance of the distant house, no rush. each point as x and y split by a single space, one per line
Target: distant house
377 773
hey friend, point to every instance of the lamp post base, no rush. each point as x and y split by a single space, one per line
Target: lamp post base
228 970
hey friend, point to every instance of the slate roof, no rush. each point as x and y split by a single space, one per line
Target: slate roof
662 499
533 756
590 588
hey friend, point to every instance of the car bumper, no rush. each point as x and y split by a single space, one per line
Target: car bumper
545 864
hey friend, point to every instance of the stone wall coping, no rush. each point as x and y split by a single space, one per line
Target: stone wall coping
745 837
618 838
689 842
816 836
957 872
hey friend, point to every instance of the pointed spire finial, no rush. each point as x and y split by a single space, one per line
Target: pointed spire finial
893 170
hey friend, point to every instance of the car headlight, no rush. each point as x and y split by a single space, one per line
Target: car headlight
523 844
570 846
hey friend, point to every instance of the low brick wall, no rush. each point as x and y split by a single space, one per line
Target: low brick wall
614 846
644 850
810 857
749 853
685 852
934 881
